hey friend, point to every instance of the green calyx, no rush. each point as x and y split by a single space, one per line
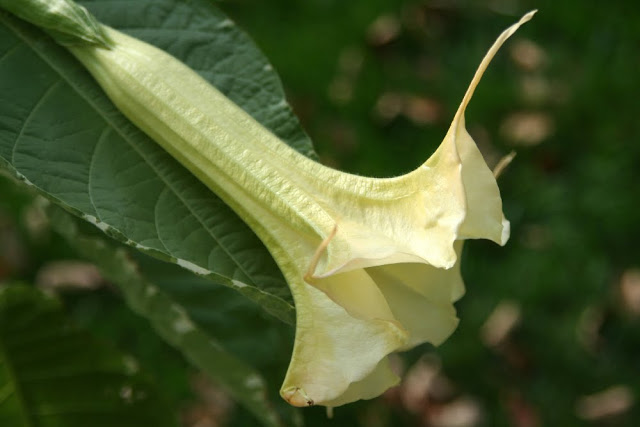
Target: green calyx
64 20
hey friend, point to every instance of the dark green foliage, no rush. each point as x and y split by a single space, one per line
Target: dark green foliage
571 198
52 374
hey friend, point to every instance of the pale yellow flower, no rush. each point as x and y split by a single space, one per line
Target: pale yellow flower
391 273
373 264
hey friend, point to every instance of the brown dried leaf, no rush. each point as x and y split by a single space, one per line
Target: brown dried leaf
500 323
527 128
630 291
612 401
69 274
383 30
527 55
462 412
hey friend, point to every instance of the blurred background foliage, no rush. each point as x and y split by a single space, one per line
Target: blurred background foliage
550 324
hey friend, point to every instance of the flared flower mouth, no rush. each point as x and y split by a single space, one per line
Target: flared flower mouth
352 320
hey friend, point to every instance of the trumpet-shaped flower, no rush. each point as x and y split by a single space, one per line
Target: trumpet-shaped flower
373 264
390 272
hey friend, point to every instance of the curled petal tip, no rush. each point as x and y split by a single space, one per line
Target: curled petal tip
503 163
296 396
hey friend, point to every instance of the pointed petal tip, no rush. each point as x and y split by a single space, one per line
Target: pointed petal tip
527 16
459 117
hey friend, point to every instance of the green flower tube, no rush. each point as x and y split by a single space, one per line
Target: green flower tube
373 264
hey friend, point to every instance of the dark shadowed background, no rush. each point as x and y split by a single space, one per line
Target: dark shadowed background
550 324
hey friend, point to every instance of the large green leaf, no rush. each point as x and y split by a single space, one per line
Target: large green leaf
61 135
52 374
191 313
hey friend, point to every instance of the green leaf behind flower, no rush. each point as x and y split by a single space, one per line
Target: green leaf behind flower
62 136
217 330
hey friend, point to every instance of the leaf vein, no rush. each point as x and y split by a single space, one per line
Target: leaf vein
26 121
103 134
156 219
117 129
9 51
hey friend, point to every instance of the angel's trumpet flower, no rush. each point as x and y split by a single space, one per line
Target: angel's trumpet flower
373 264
